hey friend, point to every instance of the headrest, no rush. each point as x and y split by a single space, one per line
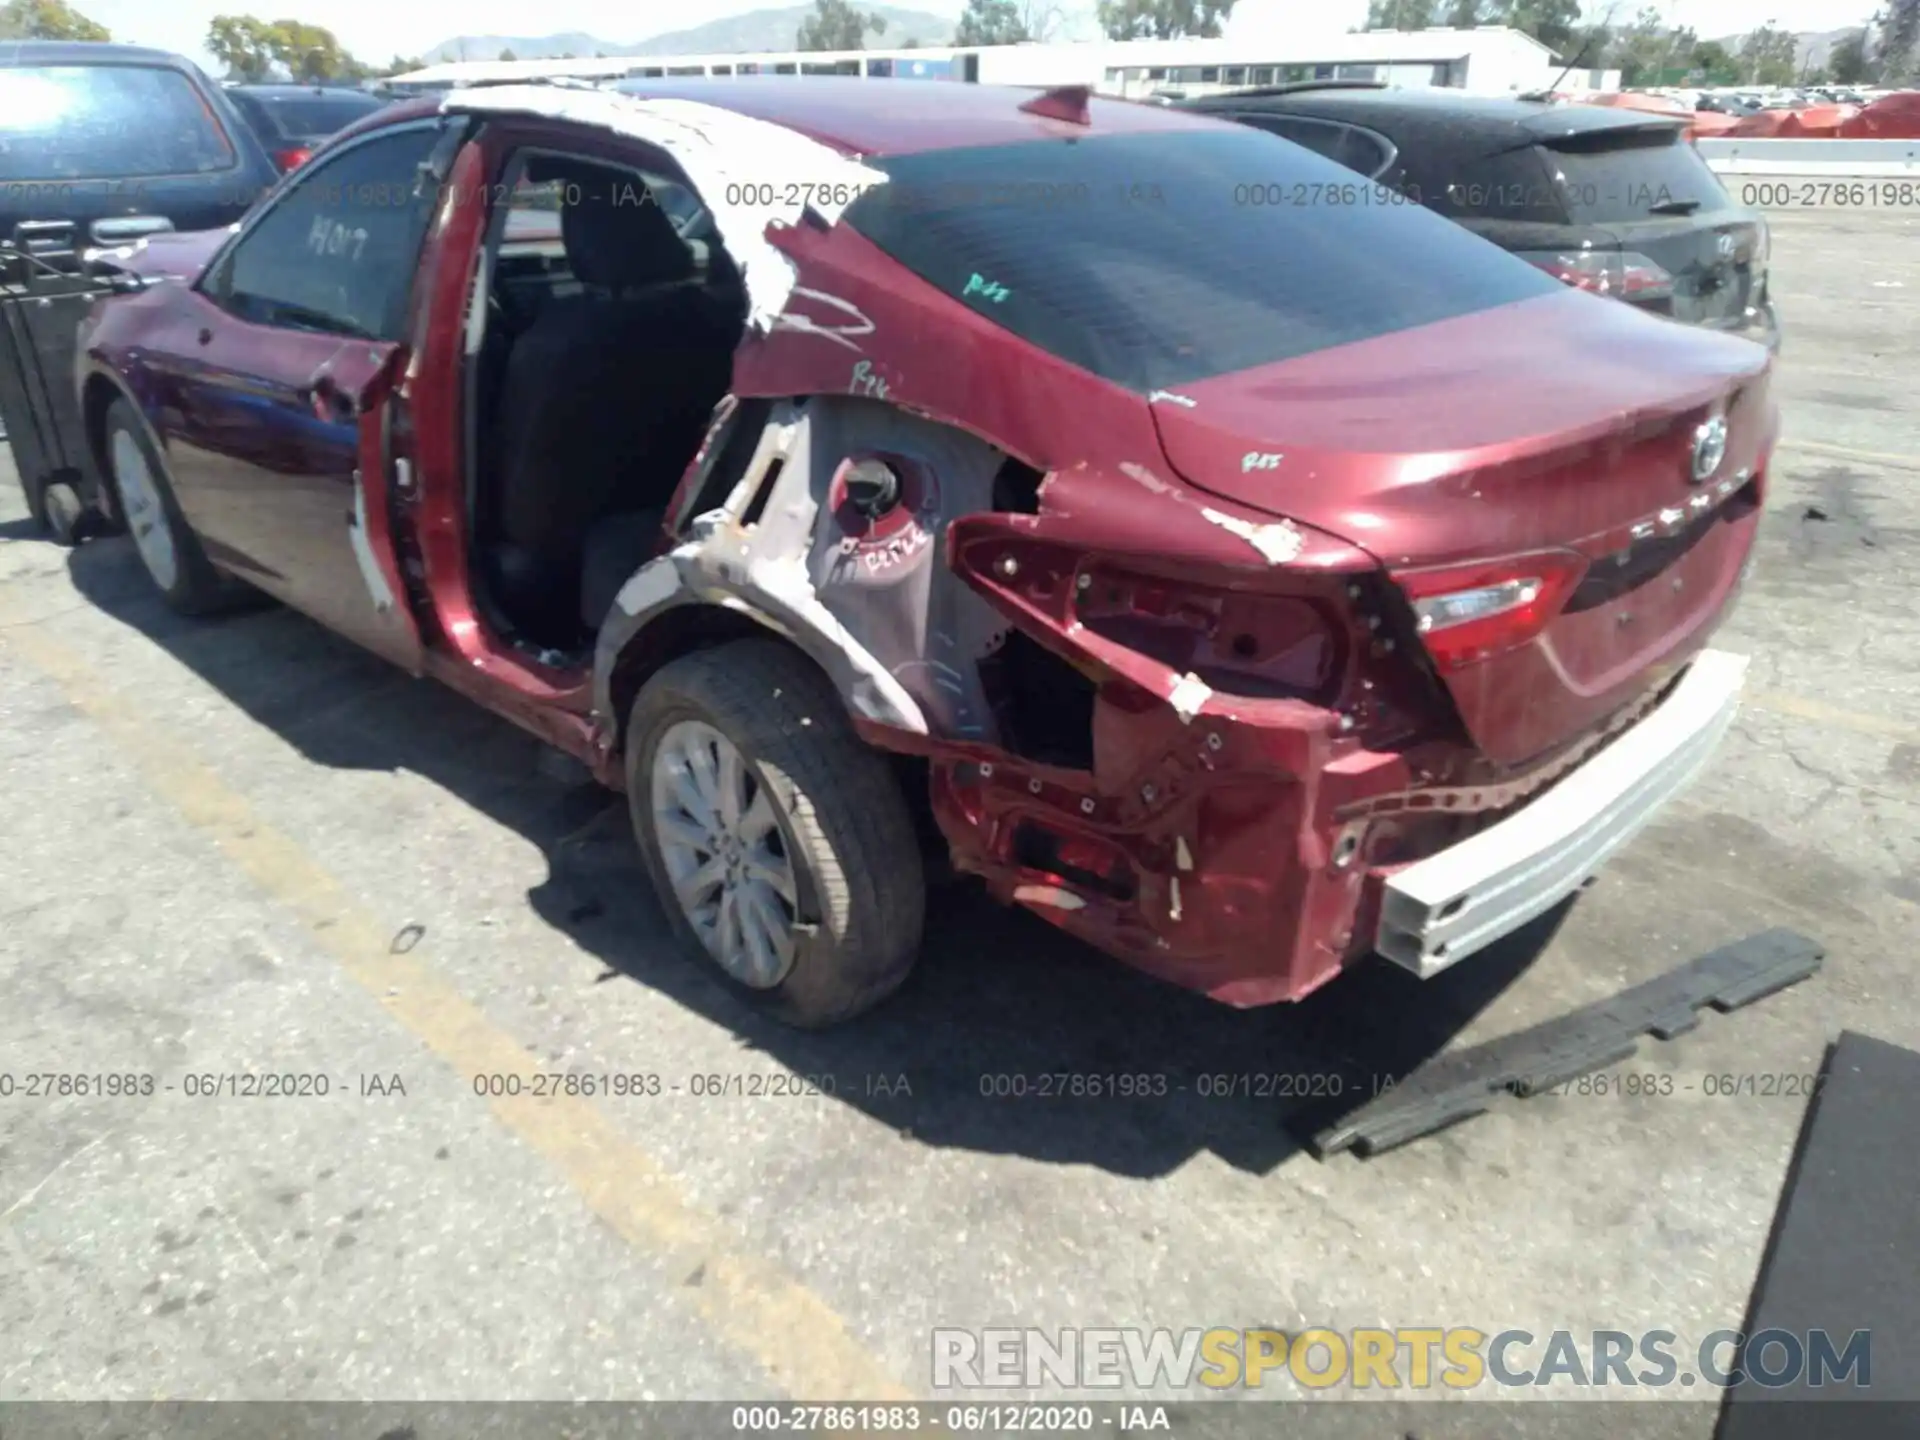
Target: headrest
616 235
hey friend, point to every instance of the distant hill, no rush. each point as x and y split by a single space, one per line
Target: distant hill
1811 48
755 30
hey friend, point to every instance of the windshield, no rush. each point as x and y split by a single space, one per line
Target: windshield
1157 259
95 122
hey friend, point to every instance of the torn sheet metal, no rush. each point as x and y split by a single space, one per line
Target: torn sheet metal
870 599
751 174
1457 1087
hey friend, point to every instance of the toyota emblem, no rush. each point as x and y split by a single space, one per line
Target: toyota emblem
1709 448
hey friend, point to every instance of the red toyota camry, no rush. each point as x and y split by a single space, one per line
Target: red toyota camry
853 472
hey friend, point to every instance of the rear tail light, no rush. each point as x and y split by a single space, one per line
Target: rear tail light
1469 613
291 158
1625 275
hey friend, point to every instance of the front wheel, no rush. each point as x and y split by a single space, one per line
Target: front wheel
168 548
778 842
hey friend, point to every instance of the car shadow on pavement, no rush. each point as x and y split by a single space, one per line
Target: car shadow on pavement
1010 1038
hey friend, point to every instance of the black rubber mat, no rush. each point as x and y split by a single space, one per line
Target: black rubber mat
1843 1261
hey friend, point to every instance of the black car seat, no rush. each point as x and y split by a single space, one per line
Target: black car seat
605 394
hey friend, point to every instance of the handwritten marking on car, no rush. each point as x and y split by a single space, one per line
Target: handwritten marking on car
989 290
1260 460
854 324
1280 541
750 1303
330 237
865 382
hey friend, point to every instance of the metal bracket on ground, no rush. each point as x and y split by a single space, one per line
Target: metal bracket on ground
1460 1086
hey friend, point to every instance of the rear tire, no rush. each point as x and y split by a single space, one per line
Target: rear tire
143 494
746 780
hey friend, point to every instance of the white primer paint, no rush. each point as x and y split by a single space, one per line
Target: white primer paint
648 586
1189 693
724 154
1280 541
377 587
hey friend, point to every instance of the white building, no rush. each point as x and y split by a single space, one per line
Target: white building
1490 60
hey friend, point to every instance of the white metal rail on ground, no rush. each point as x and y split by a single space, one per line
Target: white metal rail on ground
1824 159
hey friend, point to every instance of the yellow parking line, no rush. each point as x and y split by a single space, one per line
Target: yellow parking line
793 1334
1821 713
1847 452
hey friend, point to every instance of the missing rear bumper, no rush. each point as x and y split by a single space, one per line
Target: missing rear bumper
1438 911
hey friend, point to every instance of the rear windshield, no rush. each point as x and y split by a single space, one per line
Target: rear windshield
1157 259
1638 175
97 122
303 117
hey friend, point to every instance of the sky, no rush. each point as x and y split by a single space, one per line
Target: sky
376 30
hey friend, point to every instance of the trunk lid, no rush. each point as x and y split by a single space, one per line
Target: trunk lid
1562 424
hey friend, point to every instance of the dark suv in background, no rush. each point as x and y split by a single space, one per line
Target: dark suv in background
92 132
1614 201
293 121
99 144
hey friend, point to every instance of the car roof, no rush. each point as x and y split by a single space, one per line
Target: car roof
899 117
87 52
1494 119
276 91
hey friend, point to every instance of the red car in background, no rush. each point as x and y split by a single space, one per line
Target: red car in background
864 471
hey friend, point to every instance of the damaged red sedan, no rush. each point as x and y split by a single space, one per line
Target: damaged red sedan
857 473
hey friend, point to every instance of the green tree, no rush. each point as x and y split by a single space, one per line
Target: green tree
1767 56
1847 62
1647 51
507 54
1554 23
1714 65
48 20
837 25
1399 14
991 22
1896 54
1162 19
1040 18
310 53
1466 14
243 44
